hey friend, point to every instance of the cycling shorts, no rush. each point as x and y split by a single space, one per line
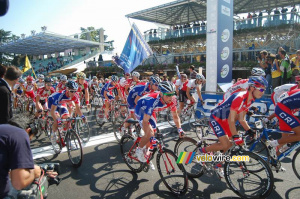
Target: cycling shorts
44 104
182 96
219 126
287 120
152 120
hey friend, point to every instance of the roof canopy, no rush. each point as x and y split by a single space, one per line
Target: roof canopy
45 43
184 11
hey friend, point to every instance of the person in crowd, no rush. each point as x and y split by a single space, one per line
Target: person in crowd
11 77
285 67
276 16
276 72
16 159
295 65
2 70
283 14
193 73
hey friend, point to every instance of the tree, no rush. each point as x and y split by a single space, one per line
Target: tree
94 34
6 36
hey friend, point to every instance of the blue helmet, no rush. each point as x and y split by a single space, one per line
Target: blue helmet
72 85
114 78
154 79
258 81
166 87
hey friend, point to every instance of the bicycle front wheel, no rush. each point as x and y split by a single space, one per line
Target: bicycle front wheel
83 130
74 147
246 183
172 174
296 164
186 144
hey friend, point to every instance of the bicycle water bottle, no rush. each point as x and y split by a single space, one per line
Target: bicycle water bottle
271 149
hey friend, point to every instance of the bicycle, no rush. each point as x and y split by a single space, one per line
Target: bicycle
20 103
71 140
185 115
268 153
257 178
169 170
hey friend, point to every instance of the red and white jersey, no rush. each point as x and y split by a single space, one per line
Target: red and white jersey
93 83
192 84
181 85
61 87
83 86
40 84
291 99
282 89
29 87
241 85
125 82
44 94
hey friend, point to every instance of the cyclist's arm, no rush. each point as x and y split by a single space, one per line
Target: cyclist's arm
188 94
176 119
78 111
37 99
127 89
231 122
21 178
199 93
87 97
242 120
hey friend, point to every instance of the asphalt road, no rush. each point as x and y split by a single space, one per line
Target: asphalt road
103 173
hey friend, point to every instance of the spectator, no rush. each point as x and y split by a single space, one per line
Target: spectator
2 70
268 71
16 155
202 26
293 12
254 17
295 65
11 77
276 72
285 67
193 73
262 59
276 16
283 12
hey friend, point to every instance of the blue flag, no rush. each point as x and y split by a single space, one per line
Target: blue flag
135 51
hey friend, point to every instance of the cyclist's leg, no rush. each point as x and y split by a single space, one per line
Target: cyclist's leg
149 132
181 101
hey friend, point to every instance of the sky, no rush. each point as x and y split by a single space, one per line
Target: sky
67 16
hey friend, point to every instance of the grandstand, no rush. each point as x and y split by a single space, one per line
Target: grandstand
54 53
188 45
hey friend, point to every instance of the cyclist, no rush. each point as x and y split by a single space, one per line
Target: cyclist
145 114
288 103
42 96
83 88
54 83
57 103
195 83
242 85
125 82
181 86
40 82
136 93
62 84
107 94
93 84
18 90
30 88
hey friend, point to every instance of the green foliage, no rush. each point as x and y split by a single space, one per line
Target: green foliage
6 36
93 32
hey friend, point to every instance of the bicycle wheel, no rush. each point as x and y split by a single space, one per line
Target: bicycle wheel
296 164
99 115
83 130
128 147
246 183
48 126
186 144
74 147
172 174
117 131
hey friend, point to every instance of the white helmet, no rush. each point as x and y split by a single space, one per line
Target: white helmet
63 78
135 74
257 72
40 76
200 77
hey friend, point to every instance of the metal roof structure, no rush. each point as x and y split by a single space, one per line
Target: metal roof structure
46 43
185 11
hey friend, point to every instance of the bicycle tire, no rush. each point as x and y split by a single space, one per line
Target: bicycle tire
117 134
99 112
128 142
48 127
264 185
83 130
296 163
165 161
187 144
72 140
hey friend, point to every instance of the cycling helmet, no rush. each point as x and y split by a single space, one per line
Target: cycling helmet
257 72
40 76
297 78
166 87
22 81
114 78
258 81
135 74
155 79
63 78
81 75
54 78
72 85
47 80
29 78
200 77
95 77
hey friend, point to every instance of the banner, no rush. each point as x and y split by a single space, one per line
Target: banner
135 51
27 65
178 73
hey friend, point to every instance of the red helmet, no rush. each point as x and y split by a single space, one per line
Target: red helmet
297 78
29 78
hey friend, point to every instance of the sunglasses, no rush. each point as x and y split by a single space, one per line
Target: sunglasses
71 91
169 94
261 89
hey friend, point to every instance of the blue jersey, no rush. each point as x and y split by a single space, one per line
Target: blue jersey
139 90
108 87
58 99
54 85
290 99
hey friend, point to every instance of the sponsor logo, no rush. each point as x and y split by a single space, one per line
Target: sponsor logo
225 71
225 35
225 10
225 53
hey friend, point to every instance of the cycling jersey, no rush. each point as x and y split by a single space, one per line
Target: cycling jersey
151 103
108 87
192 84
123 83
58 99
282 89
237 87
287 104
54 85
82 87
219 115
139 90
40 84
92 83
29 90
44 94
181 85
61 87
